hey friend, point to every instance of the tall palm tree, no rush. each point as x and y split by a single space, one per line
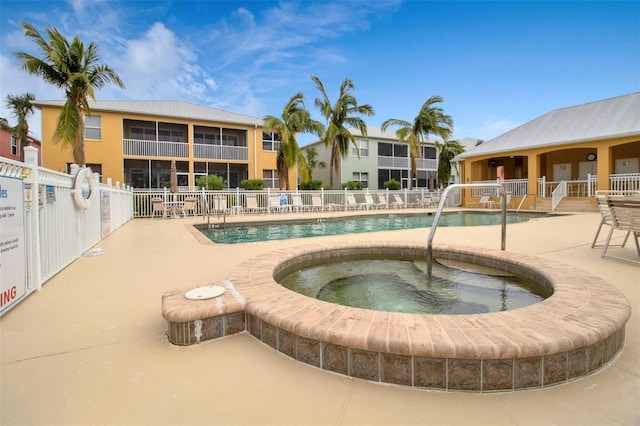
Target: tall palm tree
312 162
431 120
21 106
340 117
447 151
294 119
69 66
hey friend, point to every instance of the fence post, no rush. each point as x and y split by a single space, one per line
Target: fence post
35 268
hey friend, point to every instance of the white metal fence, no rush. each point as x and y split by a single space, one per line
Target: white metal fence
48 229
236 199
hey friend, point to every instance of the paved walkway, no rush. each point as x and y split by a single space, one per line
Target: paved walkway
90 348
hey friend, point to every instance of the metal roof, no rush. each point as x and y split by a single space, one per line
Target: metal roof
170 109
604 119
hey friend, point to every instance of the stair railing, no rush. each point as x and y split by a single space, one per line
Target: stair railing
558 194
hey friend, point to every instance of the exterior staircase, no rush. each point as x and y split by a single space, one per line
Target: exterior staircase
568 205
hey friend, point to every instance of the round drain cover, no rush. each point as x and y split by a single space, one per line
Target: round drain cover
202 293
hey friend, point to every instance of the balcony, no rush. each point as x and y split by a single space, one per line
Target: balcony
404 163
220 152
142 148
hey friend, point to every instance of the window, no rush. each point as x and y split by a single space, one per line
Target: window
270 141
143 134
429 152
171 135
362 177
385 149
270 178
14 146
363 146
93 127
204 138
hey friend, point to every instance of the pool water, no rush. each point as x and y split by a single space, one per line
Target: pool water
284 230
403 286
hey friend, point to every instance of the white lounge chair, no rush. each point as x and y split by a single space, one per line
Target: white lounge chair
398 202
352 204
298 205
368 202
382 201
278 204
252 204
483 202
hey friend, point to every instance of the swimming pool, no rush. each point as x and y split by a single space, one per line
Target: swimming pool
283 230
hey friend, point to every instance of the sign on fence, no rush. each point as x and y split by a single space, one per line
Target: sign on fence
13 282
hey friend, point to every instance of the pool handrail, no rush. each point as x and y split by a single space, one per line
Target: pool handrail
443 199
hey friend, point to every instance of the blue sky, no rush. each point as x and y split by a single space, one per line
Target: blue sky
497 64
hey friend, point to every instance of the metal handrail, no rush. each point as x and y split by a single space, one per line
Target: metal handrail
443 200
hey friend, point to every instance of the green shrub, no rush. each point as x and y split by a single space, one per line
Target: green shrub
352 185
211 182
392 184
252 184
312 184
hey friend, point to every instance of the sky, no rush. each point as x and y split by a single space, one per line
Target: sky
497 64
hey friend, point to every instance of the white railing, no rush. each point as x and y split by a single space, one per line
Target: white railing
142 148
405 162
592 184
50 230
236 199
558 194
625 182
515 187
220 152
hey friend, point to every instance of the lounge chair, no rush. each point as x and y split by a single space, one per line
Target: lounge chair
316 203
625 216
483 202
298 205
382 201
278 204
398 202
220 204
368 202
252 204
352 204
427 201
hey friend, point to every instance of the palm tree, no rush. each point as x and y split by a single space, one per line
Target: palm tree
447 151
312 162
21 106
294 119
431 120
337 116
69 66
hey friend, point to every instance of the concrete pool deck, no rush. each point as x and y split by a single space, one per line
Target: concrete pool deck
90 348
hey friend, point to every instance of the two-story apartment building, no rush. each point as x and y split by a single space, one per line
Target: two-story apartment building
381 159
11 147
134 142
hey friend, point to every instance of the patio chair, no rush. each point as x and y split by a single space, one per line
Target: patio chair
190 205
220 204
426 201
159 207
252 204
603 207
625 216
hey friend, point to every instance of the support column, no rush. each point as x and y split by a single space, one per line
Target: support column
604 167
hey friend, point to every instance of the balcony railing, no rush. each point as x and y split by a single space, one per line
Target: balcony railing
404 162
220 152
142 148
